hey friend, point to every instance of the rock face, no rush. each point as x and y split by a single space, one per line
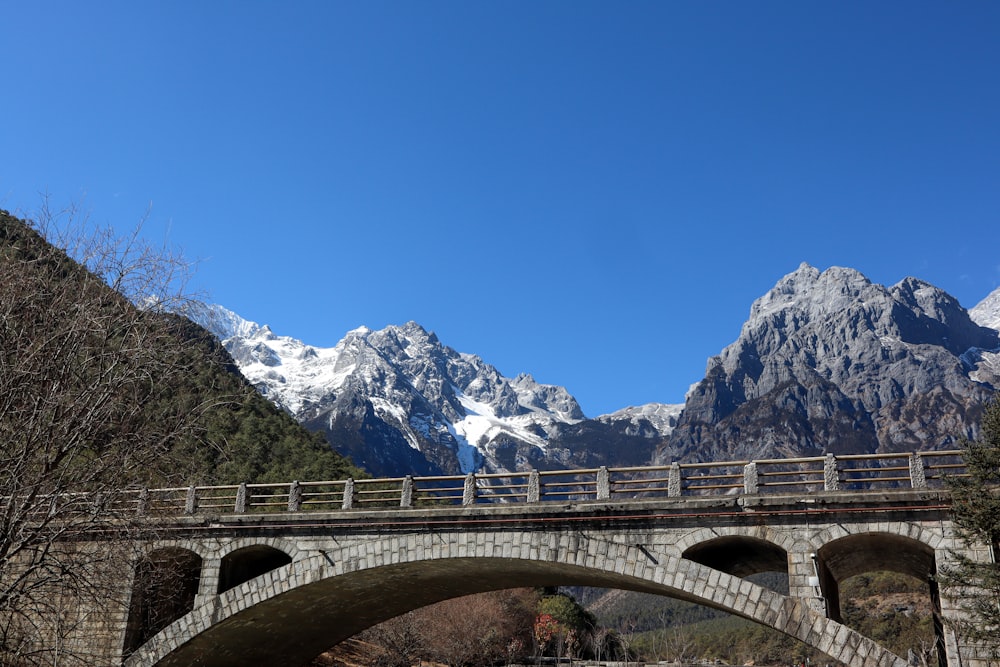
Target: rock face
398 401
830 362
827 362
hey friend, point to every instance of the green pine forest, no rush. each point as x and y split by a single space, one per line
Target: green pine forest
238 436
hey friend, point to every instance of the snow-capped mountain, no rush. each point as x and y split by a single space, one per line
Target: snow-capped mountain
826 362
830 362
399 401
987 312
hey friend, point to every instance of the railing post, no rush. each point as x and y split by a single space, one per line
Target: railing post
534 487
142 504
469 492
831 476
751 480
241 499
191 502
348 494
294 497
674 480
918 480
603 483
406 497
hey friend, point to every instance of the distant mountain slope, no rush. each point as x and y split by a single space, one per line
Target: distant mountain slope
830 362
399 401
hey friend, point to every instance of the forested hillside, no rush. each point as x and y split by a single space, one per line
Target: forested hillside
65 332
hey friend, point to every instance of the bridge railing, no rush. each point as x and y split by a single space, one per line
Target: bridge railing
854 472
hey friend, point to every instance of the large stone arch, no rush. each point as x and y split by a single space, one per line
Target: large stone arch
291 614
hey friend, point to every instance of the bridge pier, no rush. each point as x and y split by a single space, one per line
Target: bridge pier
804 581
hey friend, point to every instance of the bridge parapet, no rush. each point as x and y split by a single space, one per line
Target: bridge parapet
810 475
804 475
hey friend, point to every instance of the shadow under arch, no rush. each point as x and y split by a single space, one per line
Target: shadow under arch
290 615
242 565
739 555
164 587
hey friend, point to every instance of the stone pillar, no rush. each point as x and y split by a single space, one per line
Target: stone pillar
191 502
534 487
208 581
959 652
469 491
294 497
348 494
751 480
804 581
918 480
406 497
603 483
831 477
674 480
241 499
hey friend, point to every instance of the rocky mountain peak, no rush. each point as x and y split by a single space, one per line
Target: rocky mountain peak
829 361
810 291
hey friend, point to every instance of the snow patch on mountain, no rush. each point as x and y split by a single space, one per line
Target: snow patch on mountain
663 416
987 312
432 395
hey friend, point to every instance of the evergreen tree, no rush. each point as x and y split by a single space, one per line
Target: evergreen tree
973 577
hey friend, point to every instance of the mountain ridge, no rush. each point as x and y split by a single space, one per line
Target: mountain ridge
397 400
831 362
827 361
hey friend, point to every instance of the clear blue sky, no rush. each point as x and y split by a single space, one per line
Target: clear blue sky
593 193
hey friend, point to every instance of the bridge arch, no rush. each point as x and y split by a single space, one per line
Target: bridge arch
164 589
858 553
290 614
762 533
739 556
246 563
932 538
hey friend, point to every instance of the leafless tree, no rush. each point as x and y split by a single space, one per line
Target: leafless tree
678 645
471 631
87 415
397 642
627 629
477 629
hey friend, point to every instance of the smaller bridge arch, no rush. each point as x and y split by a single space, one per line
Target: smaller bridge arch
739 555
246 563
164 589
860 553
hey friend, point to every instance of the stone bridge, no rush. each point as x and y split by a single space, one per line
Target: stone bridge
274 575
